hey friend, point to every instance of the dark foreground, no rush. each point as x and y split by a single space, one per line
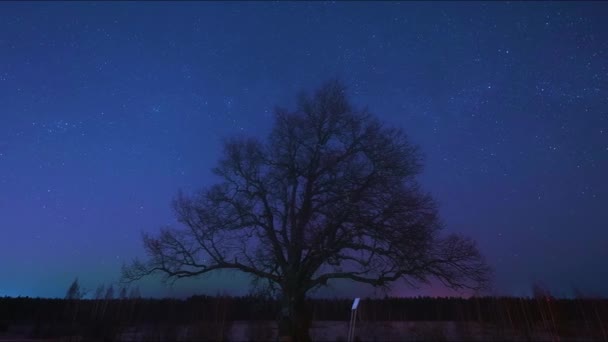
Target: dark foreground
252 319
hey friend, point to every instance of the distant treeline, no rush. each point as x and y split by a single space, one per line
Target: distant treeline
211 317
212 308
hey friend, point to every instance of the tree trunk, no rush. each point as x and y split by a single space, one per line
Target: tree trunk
295 319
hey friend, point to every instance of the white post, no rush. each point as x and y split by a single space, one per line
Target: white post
353 317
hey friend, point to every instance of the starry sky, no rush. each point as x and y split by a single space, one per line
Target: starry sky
107 109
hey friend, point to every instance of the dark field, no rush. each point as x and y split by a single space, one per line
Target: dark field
250 318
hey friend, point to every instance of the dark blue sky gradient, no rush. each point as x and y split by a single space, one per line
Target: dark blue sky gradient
107 109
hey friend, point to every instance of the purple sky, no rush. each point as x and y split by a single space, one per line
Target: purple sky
107 109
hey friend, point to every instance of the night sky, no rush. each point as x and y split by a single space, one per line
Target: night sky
107 109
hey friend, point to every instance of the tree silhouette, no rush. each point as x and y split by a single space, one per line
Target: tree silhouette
123 293
74 291
110 293
100 291
331 194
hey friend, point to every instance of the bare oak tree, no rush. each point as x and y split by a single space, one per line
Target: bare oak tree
331 194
